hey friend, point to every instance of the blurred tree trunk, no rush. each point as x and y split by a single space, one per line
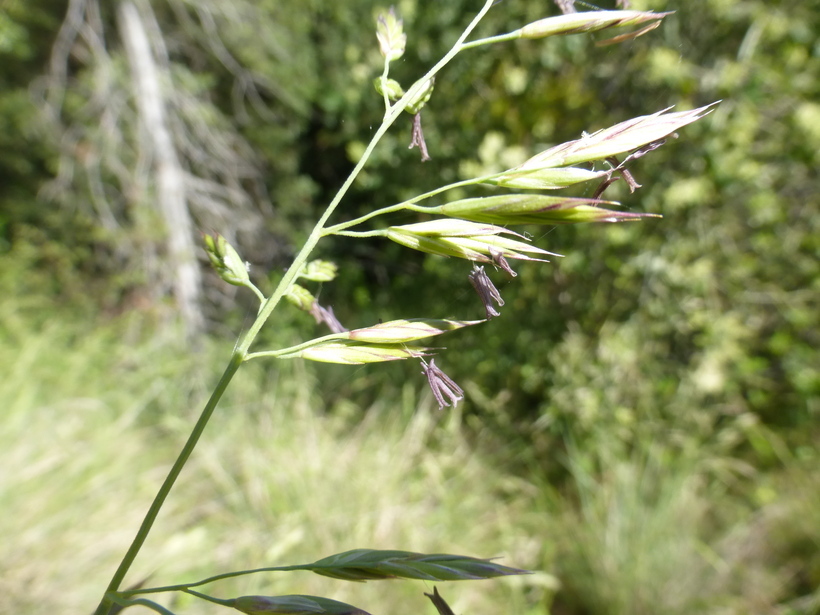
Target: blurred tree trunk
170 177
147 153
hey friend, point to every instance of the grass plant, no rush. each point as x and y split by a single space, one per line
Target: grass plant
298 490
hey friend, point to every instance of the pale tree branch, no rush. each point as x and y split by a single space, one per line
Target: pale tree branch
69 30
110 155
170 176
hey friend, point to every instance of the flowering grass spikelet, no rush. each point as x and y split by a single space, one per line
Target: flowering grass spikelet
293 605
301 297
348 352
389 87
378 564
391 36
378 343
403 331
588 21
535 209
417 102
226 260
464 239
618 139
452 228
543 178
319 271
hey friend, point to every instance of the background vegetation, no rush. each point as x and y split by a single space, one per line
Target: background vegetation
641 424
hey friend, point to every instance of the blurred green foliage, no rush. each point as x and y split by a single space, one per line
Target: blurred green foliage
688 329
45 251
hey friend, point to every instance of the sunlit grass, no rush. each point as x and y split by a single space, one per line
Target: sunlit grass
93 415
654 533
93 421
632 544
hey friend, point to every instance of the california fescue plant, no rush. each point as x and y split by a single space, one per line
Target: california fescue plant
476 233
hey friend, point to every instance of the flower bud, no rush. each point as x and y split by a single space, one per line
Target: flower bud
293 605
418 101
463 239
319 271
226 261
382 342
390 32
535 209
402 331
349 352
544 179
621 138
300 297
443 227
588 21
390 86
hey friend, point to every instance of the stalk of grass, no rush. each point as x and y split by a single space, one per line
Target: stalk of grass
463 234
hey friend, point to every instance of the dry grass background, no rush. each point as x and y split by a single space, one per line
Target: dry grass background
91 426
93 415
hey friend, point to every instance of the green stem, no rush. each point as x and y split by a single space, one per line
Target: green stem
256 292
146 603
337 229
501 38
228 603
408 205
283 353
361 234
213 579
164 490
241 351
384 85
319 230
